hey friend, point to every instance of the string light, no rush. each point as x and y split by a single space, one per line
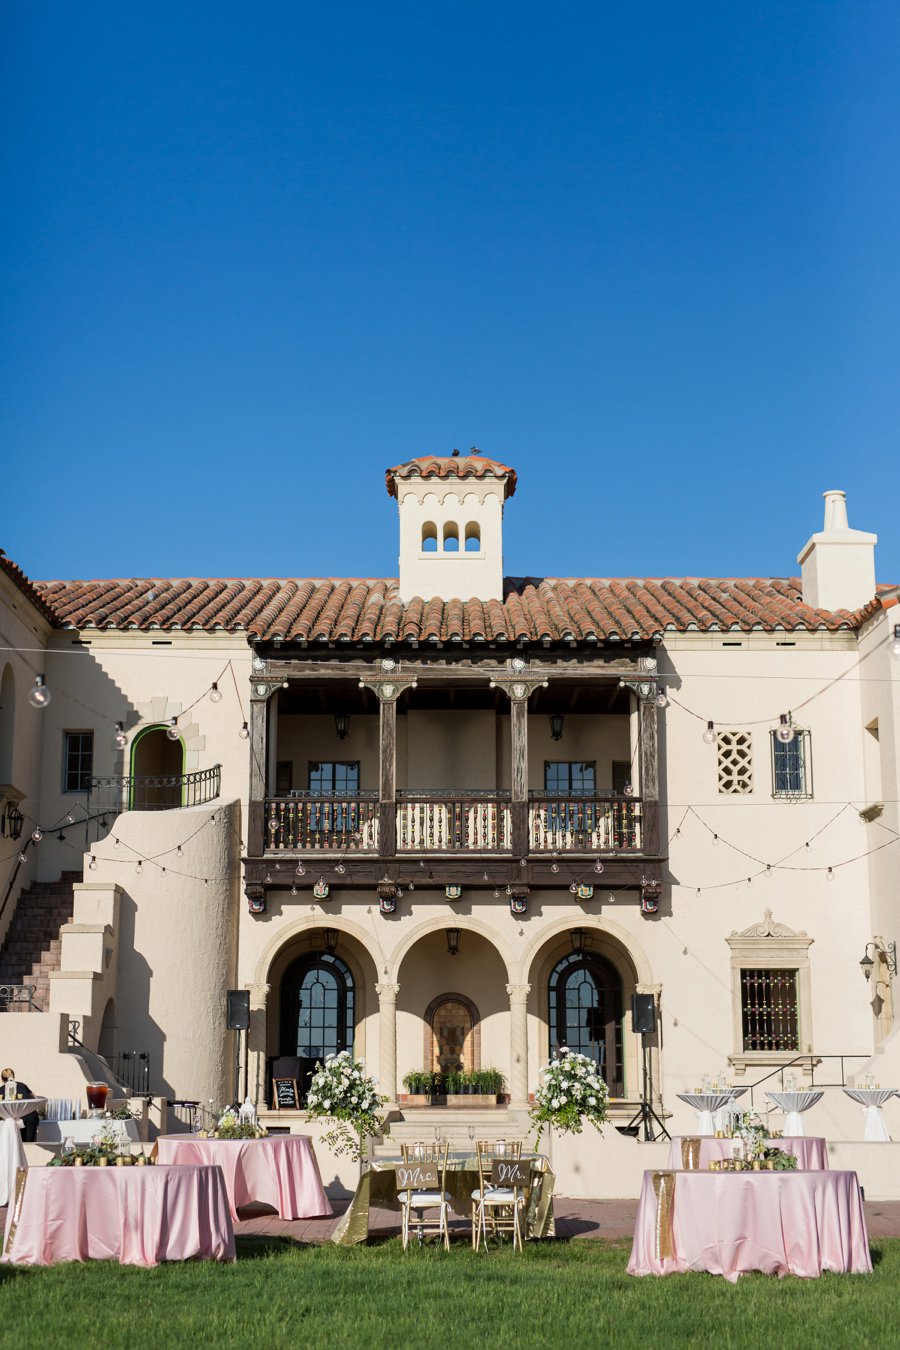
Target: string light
268 878
715 839
120 738
709 734
598 867
93 863
244 732
179 852
768 872
37 834
293 890
785 732
39 695
301 870
340 869
140 867
22 858
554 866
662 698
70 819
829 875
574 888
411 885
496 893
215 693
172 729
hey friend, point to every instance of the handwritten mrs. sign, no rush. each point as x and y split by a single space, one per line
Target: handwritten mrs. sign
416 1177
509 1173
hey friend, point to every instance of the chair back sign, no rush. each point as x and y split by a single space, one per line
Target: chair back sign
422 1187
498 1205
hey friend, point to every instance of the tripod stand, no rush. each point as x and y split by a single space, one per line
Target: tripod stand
645 1117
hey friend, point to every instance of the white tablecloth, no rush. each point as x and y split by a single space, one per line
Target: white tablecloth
705 1103
792 1103
83 1131
872 1100
12 1154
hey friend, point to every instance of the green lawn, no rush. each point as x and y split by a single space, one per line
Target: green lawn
569 1294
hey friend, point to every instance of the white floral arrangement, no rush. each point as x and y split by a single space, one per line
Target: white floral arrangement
571 1091
341 1090
754 1132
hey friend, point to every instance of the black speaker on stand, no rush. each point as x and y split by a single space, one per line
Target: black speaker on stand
643 1023
237 1018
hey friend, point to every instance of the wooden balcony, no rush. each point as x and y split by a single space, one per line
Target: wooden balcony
454 823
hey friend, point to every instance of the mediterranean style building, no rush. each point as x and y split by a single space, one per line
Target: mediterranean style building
453 820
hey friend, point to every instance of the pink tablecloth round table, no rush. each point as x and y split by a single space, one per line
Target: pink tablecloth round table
810 1152
280 1170
137 1216
729 1223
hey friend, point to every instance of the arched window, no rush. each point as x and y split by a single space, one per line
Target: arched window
316 1011
585 1005
451 537
473 537
429 537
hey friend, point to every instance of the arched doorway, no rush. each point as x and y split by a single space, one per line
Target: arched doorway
317 1012
585 1013
157 768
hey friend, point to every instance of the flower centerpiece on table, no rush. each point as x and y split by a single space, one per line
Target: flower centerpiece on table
754 1133
230 1126
104 1148
340 1090
571 1091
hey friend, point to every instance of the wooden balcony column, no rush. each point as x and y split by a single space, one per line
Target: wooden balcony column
387 688
518 685
262 686
644 691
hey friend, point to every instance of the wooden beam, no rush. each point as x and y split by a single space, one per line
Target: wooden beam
256 825
387 778
649 752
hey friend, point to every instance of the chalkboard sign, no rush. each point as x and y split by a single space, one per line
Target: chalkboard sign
284 1094
416 1176
509 1173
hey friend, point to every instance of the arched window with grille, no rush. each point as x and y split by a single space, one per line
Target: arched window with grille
585 1007
317 1011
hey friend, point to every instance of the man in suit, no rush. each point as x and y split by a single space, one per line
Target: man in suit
13 1087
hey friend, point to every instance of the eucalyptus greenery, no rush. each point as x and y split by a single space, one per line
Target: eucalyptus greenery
570 1092
341 1091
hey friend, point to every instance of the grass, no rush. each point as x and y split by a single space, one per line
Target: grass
570 1294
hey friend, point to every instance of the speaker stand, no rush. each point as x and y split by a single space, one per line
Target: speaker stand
645 1116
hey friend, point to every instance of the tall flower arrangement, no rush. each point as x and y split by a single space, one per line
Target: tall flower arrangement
570 1092
340 1090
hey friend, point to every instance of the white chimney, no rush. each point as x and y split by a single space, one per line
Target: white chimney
839 563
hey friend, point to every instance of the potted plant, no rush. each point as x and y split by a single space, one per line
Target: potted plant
418 1086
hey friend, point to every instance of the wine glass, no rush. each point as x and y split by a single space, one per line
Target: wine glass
471 1135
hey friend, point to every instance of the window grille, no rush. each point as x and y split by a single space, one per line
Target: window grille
769 1010
792 767
735 762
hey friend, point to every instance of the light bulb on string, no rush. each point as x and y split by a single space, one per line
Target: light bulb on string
715 839
785 732
340 869
709 734
172 729
268 878
39 695
598 867
93 863
22 858
215 693
178 852
244 732
768 872
496 893
293 890
829 875
140 867
662 698
301 870
120 738
611 898
70 819
116 842
895 645
574 888
37 834
554 866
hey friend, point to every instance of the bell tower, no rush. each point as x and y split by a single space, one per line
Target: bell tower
451 525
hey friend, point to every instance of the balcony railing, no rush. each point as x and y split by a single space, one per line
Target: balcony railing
309 822
437 822
152 792
454 822
584 824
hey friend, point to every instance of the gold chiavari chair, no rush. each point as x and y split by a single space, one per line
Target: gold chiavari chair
422 1186
499 1202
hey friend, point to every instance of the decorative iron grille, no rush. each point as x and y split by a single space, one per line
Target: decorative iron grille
769 1010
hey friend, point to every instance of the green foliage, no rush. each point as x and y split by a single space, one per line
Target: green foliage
570 1092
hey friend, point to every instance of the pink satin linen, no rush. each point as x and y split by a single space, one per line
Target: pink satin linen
730 1223
138 1216
810 1152
280 1171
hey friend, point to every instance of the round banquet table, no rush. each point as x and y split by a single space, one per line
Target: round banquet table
730 1223
792 1104
690 1153
705 1103
280 1170
137 1216
872 1100
12 1154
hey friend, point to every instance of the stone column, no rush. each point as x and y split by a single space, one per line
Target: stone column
518 1043
387 1040
256 1045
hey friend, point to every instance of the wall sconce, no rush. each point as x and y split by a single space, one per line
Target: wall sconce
556 726
577 937
888 950
331 940
452 941
342 725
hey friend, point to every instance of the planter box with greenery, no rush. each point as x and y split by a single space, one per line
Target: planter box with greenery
479 1087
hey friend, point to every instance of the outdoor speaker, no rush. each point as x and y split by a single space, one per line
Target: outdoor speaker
643 1013
238 1009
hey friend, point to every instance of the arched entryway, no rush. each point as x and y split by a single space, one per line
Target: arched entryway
452 1035
585 1005
157 768
317 1011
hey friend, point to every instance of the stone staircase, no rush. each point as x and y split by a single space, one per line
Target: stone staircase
33 946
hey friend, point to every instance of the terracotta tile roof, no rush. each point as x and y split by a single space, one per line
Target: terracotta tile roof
29 589
355 610
473 465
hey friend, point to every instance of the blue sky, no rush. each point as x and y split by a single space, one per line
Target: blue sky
252 255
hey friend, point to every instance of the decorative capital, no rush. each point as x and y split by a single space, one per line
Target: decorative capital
389 685
259 994
517 683
387 993
264 685
518 993
645 690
